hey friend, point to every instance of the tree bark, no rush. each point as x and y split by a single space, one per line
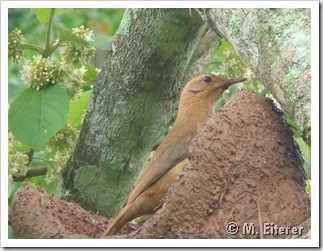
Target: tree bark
276 45
133 103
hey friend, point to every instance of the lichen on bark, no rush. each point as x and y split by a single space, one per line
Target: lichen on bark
133 103
276 45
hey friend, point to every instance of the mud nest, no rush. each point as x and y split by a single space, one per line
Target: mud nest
245 167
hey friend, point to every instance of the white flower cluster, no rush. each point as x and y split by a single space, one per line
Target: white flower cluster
63 144
54 170
73 81
15 39
17 161
41 72
86 34
64 141
44 71
75 52
230 65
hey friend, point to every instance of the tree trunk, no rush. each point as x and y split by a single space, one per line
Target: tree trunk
133 103
245 165
276 45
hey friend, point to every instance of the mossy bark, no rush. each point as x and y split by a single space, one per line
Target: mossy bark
133 103
276 45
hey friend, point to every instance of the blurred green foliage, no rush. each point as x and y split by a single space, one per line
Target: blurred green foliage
103 22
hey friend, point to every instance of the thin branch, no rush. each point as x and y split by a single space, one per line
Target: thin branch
32 47
46 160
55 46
31 173
48 50
30 155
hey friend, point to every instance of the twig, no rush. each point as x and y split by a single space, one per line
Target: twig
32 47
31 173
48 49
30 155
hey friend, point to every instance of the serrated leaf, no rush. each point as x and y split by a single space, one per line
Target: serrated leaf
36 116
42 14
78 108
68 36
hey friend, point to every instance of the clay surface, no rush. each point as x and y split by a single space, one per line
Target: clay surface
34 214
245 167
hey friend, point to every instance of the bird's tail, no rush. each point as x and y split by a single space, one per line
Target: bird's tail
130 212
123 217
147 202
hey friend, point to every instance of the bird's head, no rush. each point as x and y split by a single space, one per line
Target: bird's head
208 84
203 91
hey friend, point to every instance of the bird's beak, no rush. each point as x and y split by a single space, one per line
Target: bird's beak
230 81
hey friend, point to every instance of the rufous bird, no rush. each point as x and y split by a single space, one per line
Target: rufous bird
196 105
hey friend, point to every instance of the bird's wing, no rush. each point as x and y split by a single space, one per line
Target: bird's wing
170 152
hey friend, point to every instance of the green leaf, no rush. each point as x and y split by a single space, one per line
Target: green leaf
102 43
306 150
217 59
15 87
68 36
36 116
90 76
11 235
78 108
307 166
42 14
306 154
292 123
9 187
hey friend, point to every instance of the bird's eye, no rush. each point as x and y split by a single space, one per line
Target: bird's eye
207 79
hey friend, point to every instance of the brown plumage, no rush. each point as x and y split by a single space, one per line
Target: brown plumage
196 105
